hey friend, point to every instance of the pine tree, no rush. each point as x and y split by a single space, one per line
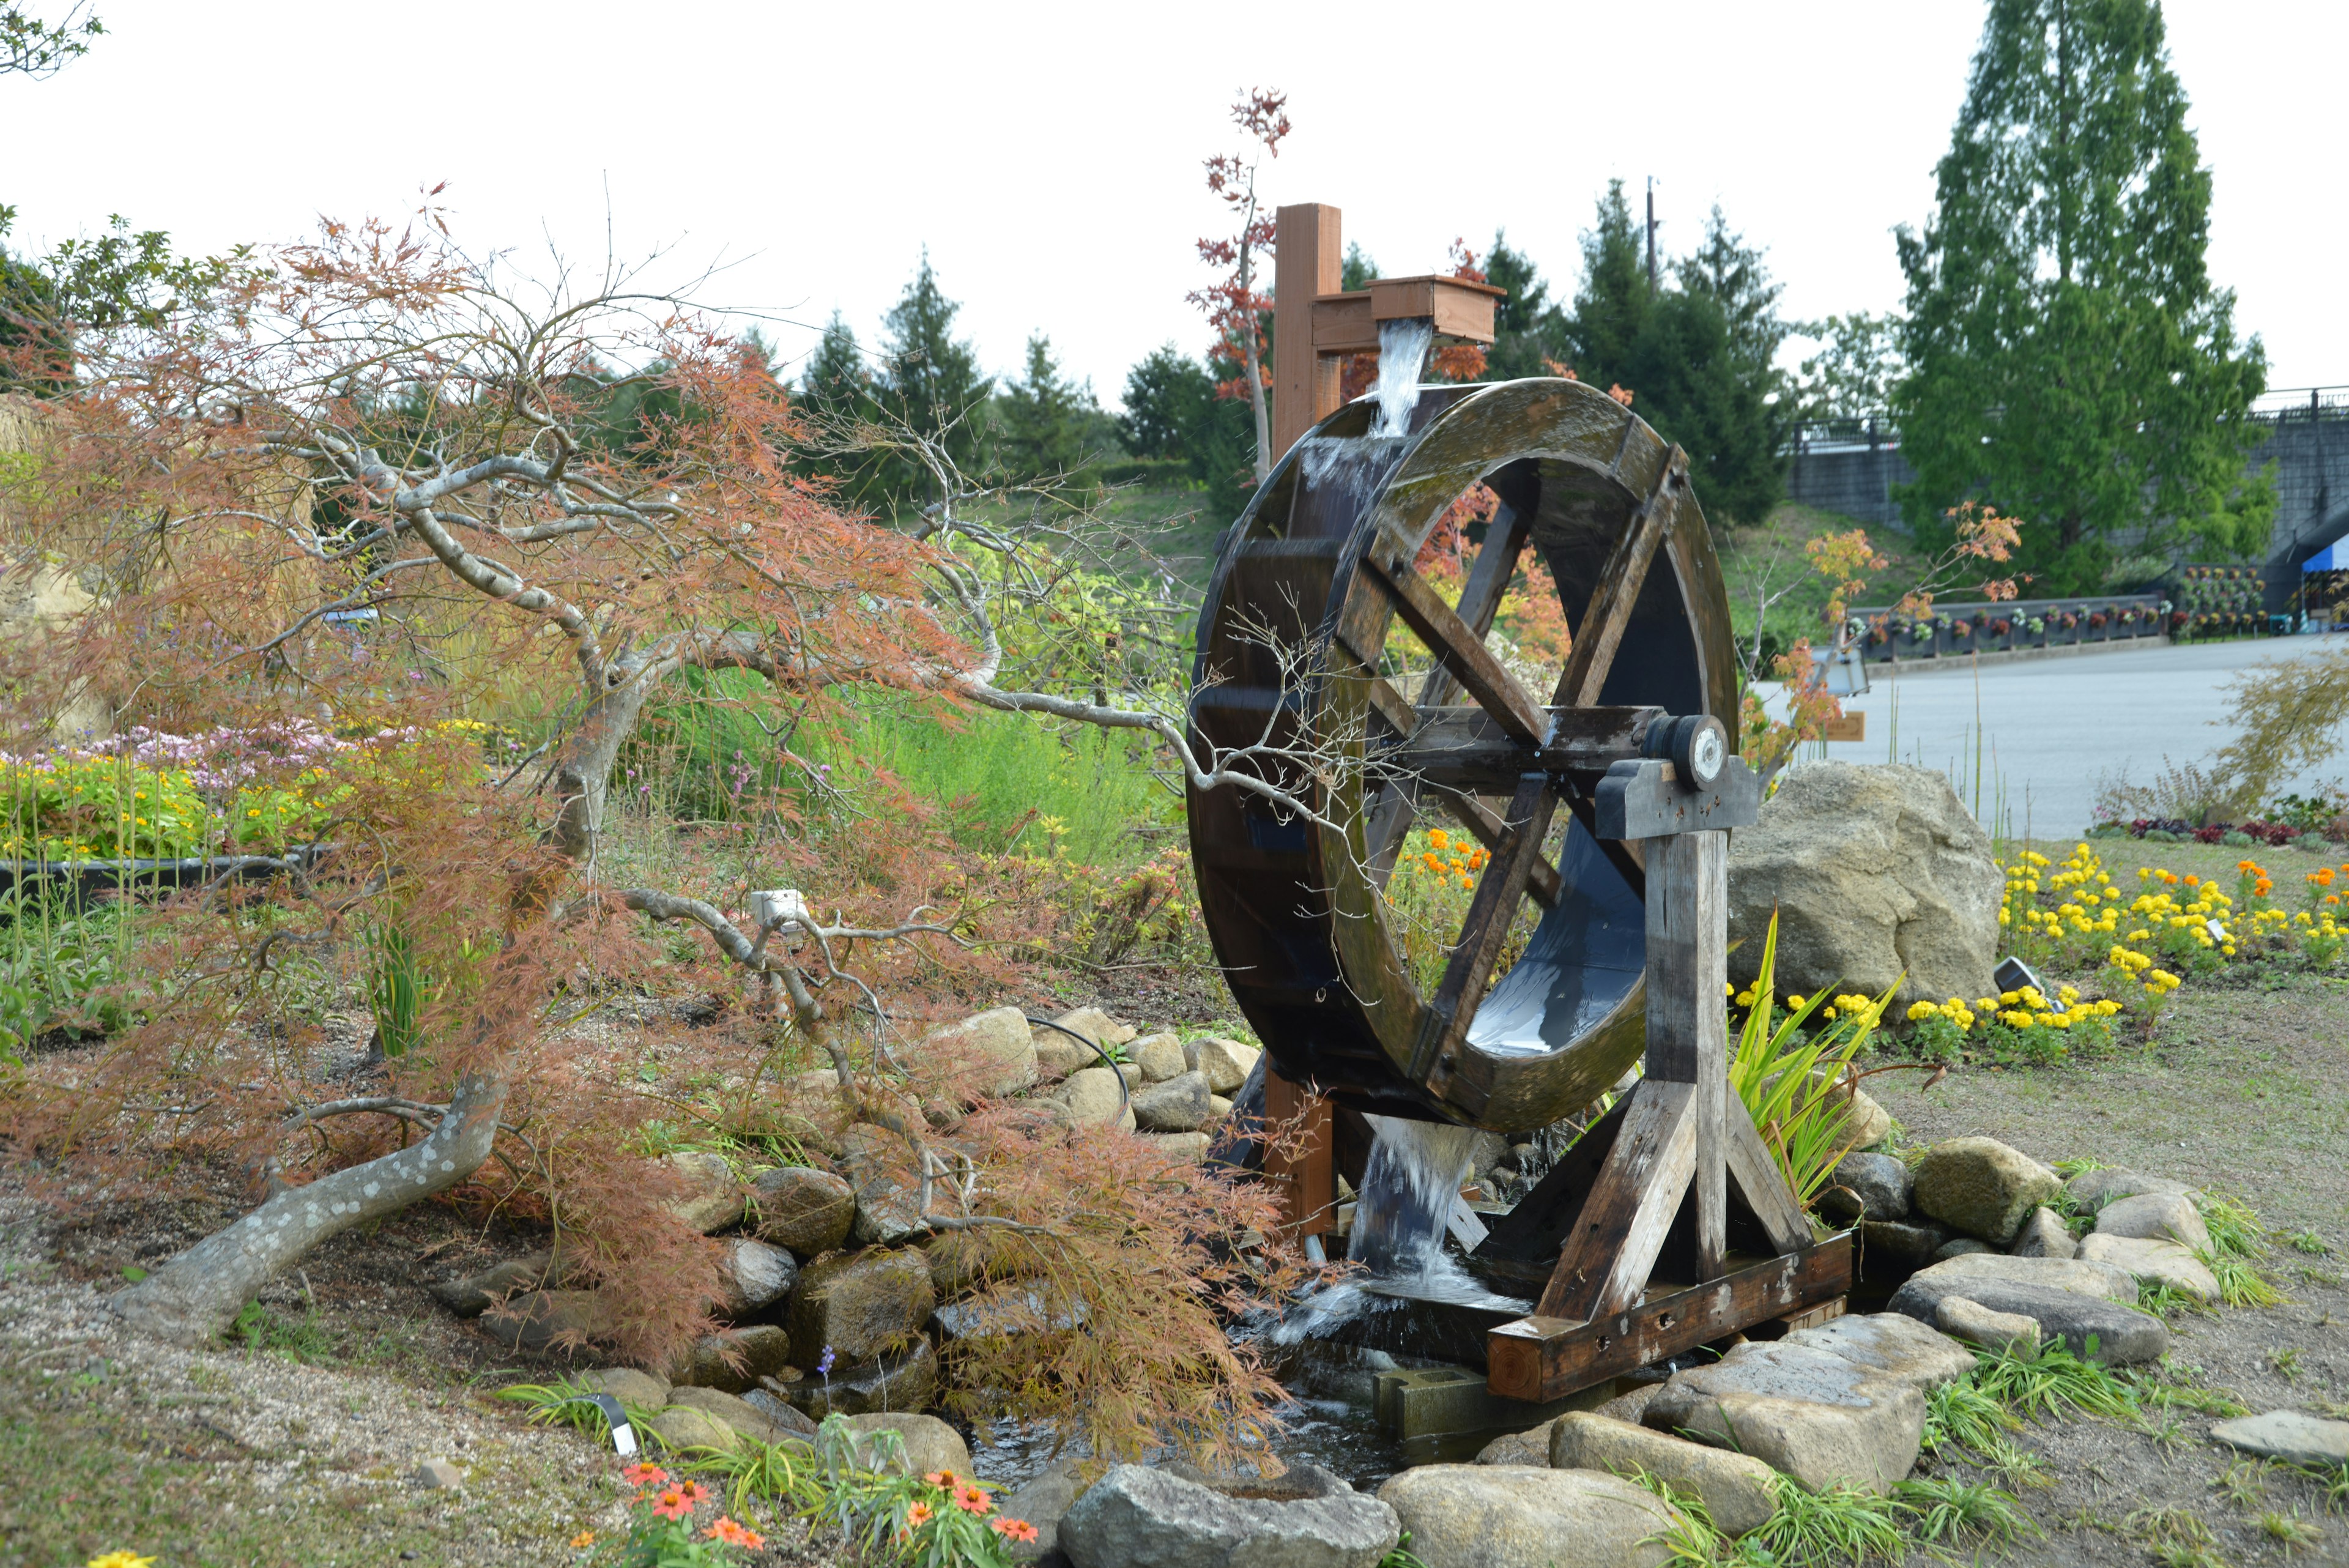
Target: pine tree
1529 330
1358 270
1613 303
1042 423
837 378
2070 362
1162 396
929 380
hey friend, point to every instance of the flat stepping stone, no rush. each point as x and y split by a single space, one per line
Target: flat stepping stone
2153 1263
2290 1436
2069 1299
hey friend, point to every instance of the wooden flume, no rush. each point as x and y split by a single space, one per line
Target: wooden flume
1669 1224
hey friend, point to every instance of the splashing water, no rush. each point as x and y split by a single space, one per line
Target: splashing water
1409 1185
1404 343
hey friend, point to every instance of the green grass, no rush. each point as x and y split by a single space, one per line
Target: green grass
1963 1413
2052 1382
1830 1528
1956 1511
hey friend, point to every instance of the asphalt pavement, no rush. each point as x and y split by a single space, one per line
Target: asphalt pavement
2046 735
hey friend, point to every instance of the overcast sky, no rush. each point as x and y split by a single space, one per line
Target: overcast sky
1049 156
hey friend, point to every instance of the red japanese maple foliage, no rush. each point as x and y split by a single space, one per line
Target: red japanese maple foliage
1237 303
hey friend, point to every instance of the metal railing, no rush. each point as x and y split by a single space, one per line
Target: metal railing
1878 430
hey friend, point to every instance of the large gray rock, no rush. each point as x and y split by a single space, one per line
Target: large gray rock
1735 1490
859 1305
996 1048
1840 1404
1093 1099
752 1276
1867 1187
1957 1249
737 1359
788 1417
2092 1189
2082 1317
925 1443
746 1419
1498 1516
1158 1056
905 1379
545 1320
882 1170
2153 1263
2045 1235
1962 1317
2290 1436
803 1209
1226 1062
1982 1186
628 1384
1179 1104
1864 1123
712 1199
2155 1217
1531 1447
1043 1502
1877 874
1058 1053
1900 1240
1137 1518
681 1427
474 1294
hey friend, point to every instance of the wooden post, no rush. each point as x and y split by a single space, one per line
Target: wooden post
1305 1172
1307 261
1688 1027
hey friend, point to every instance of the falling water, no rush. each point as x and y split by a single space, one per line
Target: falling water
1409 1185
1404 343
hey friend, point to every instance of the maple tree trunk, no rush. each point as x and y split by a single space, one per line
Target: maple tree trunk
197 1295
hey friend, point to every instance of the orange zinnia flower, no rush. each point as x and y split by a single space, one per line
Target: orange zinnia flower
644 1475
943 1479
1013 1529
973 1500
918 1515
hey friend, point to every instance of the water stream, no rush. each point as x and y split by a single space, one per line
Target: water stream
1404 343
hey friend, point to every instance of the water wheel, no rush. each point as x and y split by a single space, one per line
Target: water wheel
1301 656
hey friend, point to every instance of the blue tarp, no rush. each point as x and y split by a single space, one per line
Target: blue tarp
2332 558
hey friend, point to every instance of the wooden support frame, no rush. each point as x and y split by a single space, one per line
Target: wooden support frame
1682 1146
1301 1158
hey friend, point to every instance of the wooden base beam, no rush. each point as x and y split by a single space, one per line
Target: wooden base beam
1539 1359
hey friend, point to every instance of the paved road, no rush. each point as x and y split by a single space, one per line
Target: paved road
2052 731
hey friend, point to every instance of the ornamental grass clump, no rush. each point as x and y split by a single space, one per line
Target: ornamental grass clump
1799 1086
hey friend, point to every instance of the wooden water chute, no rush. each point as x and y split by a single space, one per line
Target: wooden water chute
1298 656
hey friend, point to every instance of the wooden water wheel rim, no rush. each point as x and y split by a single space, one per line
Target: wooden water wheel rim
1319 565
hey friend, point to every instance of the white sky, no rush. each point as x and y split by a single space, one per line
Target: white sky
1049 156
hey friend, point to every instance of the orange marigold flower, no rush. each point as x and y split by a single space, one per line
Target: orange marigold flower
1012 1529
644 1475
729 1532
973 1500
584 1538
2192 881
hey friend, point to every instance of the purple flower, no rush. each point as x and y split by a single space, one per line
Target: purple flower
824 1367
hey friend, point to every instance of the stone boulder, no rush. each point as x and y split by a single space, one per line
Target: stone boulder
905 1379
1095 1099
1502 1516
861 1304
628 1384
1867 1187
712 1199
542 1320
1158 1057
1043 1502
2045 1235
752 1276
1531 1447
1864 1123
2151 1262
747 1420
1840 1404
684 1427
1958 1248
1056 1052
1901 1240
885 1173
1226 1062
1179 1104
925 1444
1877 874
2294 1437
1190 1147
788 1417
1735 1490
476 1293
737 1359
2155 1217
803 1209
2092 1189
1138 1518
2070 1299
998 1047
1964 1318
1982 1186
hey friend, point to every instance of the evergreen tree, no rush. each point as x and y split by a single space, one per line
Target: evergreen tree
1358 270
1163 395
1734 276
929 380
1043 421
2070 362
1529 330
836 379
1612 305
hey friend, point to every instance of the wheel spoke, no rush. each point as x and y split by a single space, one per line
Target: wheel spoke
1601 631
1445 1020
1456 645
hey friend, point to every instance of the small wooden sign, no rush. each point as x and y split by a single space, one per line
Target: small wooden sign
1850 727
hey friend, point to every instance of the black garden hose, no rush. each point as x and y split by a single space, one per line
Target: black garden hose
1124 1100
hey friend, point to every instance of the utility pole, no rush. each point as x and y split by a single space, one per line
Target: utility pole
1651 233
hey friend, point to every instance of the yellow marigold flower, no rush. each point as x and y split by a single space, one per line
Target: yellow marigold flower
121 1560
2008 997
1921 1010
